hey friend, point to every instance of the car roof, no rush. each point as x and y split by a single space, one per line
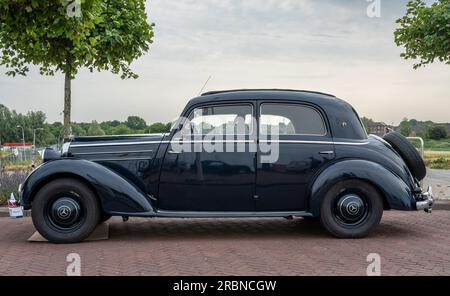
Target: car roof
313 97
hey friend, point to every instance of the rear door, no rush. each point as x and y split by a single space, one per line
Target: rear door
294 145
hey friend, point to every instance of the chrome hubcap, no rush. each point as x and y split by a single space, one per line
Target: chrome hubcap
65 212
351 208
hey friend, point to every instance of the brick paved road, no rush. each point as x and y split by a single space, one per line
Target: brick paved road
236 247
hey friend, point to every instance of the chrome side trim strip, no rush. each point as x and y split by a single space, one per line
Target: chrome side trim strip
114 144
315 142
120 159
220 141
213 141
111 152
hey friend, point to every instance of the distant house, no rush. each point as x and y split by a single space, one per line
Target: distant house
378 128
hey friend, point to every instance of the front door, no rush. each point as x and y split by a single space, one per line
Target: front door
215 169
294 145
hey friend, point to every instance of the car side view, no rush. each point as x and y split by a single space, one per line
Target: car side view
276 153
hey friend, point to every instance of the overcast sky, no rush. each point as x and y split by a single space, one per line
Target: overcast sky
324 45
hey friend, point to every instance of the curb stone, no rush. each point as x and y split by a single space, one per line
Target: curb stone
439 205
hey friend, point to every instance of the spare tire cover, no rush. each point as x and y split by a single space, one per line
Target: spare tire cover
409 154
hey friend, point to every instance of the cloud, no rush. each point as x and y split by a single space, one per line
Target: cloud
324 45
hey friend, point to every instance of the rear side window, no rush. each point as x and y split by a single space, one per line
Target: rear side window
291 119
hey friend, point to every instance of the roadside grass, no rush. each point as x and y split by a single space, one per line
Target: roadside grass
437 159
437 145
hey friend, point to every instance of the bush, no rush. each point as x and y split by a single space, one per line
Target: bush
437 132
439 163
9 182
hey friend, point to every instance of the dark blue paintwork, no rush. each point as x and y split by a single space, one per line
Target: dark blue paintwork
136 176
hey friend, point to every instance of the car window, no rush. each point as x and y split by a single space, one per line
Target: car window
290 119
222 120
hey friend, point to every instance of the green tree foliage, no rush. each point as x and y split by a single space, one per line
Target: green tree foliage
121 129
405 127
425 32
95 129
136 123
437 132
9 132
366 122
97 35
159 128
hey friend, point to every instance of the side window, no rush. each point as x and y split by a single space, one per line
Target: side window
222 120
291 119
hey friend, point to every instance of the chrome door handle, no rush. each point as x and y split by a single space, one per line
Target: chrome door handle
173 152
326 152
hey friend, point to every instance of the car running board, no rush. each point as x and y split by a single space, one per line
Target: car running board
213 214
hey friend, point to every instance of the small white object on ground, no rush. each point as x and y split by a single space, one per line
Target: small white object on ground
15 210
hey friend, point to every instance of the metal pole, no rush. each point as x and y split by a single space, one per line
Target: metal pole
34 139
23 142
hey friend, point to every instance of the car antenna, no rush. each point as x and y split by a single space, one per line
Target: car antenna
204 85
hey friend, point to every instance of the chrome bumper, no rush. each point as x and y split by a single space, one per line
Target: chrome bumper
426 201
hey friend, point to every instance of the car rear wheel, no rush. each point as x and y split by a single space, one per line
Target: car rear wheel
351 209
65 211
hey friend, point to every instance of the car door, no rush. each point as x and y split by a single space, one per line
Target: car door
298 141
216 168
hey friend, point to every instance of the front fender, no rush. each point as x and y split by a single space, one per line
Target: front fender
398 195
116 193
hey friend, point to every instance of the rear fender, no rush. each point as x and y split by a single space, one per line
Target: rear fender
397 194
116 194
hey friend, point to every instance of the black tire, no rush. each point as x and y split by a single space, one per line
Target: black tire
104 217
65 211
409 154
337 213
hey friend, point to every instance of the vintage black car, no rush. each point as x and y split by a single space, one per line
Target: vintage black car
324 167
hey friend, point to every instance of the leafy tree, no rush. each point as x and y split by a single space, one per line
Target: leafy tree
437 132
366 122
78 130
100 35
425 32
136 123
121 129
95 129
405 127
158 128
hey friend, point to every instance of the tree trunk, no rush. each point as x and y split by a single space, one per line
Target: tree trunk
67 104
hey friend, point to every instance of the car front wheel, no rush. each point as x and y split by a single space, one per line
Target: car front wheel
65 211
351 209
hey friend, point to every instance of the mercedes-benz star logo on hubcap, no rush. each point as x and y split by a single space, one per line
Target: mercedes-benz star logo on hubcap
353 208
64 212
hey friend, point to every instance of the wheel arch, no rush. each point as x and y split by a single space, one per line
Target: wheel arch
395 192
115 193
62 175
